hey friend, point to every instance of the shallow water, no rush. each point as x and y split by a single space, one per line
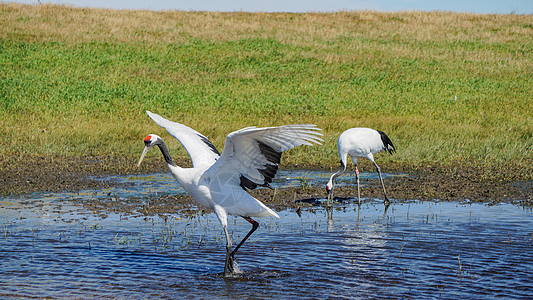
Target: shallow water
164 183
52 247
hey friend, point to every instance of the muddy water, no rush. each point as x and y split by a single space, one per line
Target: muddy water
51 246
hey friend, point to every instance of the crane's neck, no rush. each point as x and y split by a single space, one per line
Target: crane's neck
166 155
341 171
185 176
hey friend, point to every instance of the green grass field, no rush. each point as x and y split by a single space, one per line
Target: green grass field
76 82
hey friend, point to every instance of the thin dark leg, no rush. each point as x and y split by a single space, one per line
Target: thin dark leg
382 185
255 225
230 255
387 204
228 266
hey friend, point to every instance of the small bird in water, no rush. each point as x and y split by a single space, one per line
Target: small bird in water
221 181
360 142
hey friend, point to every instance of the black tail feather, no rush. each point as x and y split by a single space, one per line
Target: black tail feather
387 143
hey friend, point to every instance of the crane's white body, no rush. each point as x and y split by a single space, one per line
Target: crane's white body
220 181
360 142
220 191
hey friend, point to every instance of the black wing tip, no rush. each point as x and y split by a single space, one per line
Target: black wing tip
209 144
269 171
271 155
387 143
247 184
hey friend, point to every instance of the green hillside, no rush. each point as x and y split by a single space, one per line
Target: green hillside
446 87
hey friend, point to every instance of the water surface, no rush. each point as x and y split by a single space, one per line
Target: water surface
52 247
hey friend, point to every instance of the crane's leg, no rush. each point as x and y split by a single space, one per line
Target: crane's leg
358 189
230 255
382 185
255 225
228 266
354 159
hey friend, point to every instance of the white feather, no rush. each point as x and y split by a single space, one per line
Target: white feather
215 181
201 153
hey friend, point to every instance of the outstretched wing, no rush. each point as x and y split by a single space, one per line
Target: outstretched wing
253 154
199 148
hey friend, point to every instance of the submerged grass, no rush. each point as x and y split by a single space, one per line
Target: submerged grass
446 87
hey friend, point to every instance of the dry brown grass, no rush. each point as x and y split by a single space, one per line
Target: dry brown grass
65 23
319 31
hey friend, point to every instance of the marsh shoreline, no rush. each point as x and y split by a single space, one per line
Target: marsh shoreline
461 182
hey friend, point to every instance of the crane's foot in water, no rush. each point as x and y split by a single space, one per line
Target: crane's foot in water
232 268
230 264
386 202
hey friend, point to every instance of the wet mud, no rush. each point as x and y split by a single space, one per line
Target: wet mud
23 175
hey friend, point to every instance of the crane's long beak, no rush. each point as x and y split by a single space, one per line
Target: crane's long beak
146 149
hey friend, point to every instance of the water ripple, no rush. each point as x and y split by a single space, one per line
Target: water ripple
414 250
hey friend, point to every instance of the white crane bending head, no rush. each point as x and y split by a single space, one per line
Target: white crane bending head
360 142
220 181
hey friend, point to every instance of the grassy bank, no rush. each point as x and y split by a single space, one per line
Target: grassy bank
445 87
